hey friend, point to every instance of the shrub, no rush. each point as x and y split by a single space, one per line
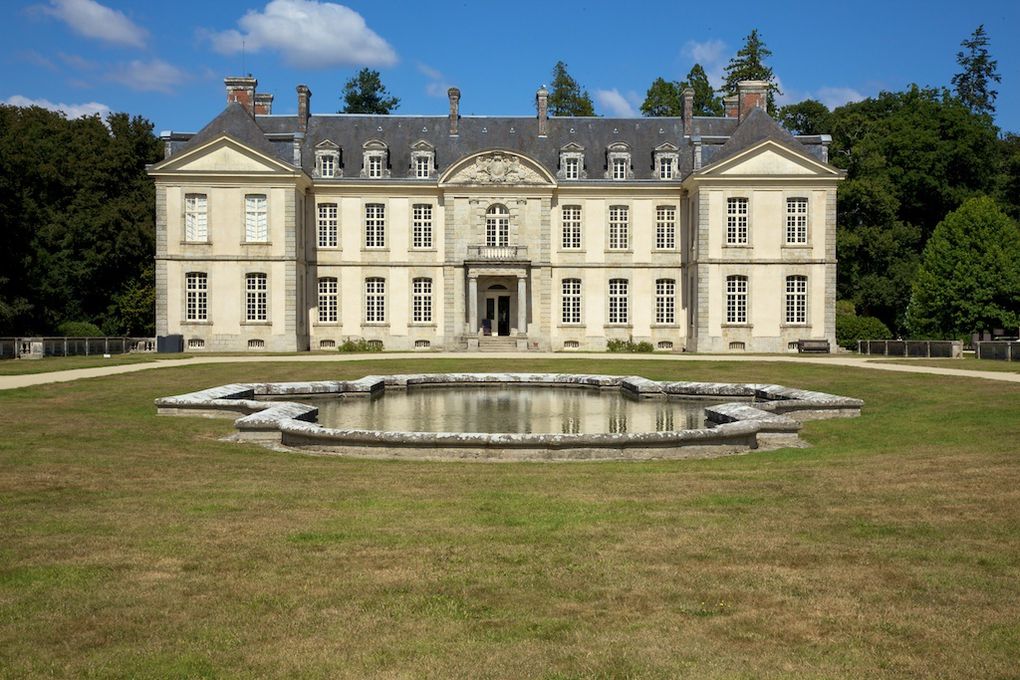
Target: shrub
629 346
79 329
851 328
360 345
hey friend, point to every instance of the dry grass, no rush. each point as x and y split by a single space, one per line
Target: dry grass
141 546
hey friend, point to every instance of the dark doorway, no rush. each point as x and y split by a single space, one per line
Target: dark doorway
503 318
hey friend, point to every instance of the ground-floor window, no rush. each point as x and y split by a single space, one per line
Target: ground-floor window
375 300
328 300
422 300
571 301
796 299
665 301
196 306
256 297
736 299
618 311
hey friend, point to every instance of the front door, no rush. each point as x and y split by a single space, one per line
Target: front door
503 318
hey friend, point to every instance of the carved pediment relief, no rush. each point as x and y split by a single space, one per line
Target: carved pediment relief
498 167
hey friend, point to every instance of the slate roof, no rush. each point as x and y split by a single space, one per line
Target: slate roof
273 135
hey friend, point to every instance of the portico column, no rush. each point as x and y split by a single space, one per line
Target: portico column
522 305
472 305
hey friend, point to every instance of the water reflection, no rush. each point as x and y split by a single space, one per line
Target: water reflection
539 410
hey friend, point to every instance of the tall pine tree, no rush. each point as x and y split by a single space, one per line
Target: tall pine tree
662 99
706 101
749 64
365 93
566 98
973 82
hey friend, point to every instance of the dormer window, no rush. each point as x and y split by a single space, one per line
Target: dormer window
375 164
423 160
327 160
572 162
618 162
667 157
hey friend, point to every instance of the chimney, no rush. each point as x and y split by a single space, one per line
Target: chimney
732 105
542 103
263 104
304 106
752 96
454 95
241 89
688 98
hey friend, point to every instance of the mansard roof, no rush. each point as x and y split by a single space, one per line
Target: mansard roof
721 138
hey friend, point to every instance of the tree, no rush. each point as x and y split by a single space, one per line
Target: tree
973 82
662 99
566 98
706 101
365 93
809 117
749 64
969 278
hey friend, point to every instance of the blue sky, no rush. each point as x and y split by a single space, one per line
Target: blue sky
166 61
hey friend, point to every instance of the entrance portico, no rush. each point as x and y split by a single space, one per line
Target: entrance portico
497 301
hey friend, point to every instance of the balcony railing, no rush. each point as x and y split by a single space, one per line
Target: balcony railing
498 253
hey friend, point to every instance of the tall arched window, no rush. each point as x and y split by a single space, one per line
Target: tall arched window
497 225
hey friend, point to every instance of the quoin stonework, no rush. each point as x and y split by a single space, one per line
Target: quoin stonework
300 231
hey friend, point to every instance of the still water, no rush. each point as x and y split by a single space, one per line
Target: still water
528 410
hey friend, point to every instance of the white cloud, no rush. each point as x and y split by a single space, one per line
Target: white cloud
69 110
438 85
615 103
92 20
155 75
837 96
307 33
711 54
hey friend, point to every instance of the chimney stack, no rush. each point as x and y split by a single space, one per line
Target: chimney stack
454 95
688 98
241 89
542 103
752 96
732 105
304 106
263 104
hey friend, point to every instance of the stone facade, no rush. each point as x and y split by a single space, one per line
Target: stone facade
443 232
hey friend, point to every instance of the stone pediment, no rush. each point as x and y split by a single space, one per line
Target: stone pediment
497 167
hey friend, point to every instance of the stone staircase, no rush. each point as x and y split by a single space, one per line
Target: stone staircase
495 343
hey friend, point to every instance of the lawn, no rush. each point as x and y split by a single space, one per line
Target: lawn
142 546
968 363
47 364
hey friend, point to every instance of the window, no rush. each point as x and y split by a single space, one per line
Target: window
375 166
328 300
571 301
327 226
619 168
375 300
421 302
497 226
796 220
374 155
736 299
665 168
327 166
256 344
196 343
665 301
571 227
618 301
796 299
665 227
736 221
375 225
196 227
256 224
618 227
196 303
421 225
422 167
571 168
327 344
256 297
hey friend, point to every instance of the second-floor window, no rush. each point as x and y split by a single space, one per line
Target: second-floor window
256 219
665 227
196 225
619 237
736 221
421 225
375 225
327 225
497 226
256 297
571 227
796 220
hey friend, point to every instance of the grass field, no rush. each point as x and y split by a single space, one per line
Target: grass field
142 546
968 363
47 364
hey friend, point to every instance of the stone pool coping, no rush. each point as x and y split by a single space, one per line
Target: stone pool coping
769 417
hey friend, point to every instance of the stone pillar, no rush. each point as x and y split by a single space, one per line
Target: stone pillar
472 304
304 106
688 98
542 104
522 305
454 94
